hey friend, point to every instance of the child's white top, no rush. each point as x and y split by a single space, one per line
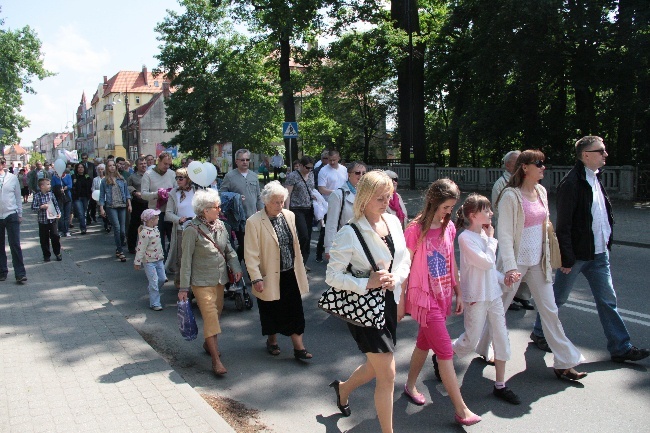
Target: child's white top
149 248
479 278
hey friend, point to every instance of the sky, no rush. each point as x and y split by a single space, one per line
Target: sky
82 41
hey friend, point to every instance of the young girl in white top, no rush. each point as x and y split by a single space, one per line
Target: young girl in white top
149 253
479 280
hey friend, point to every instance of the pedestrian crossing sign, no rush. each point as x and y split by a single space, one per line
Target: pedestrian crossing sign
290 129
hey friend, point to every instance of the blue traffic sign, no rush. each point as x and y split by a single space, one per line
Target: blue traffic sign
290 129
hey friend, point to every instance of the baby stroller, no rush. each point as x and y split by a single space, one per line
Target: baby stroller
229 215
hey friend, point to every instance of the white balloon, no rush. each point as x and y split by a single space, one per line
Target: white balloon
95 195
196 172
59 166
210 173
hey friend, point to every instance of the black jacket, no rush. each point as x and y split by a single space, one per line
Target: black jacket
81 186
574 218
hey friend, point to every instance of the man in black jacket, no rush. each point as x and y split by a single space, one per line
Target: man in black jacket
584 231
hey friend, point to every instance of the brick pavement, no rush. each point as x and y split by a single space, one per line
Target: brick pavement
70 362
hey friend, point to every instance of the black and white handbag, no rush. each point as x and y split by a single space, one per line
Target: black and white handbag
360 310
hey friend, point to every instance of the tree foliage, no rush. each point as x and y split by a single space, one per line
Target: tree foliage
223 90
20 61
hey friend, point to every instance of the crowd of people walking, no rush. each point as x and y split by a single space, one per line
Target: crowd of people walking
381 265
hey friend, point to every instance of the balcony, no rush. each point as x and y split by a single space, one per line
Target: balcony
108 107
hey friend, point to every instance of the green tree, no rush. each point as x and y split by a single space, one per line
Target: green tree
20 61
223 91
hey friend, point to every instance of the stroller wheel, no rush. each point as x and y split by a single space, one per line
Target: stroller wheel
248 301
239 302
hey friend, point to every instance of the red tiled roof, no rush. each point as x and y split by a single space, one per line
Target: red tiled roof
133 82
141 110
15 148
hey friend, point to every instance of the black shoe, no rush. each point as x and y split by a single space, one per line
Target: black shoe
83 232
59 257
514 307
345 409
634 354
319 260
506 394
540 342
525 303
21 279
46 259
436 370
3 277
71 226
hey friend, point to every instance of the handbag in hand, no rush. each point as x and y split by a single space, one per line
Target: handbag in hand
360 310
554 247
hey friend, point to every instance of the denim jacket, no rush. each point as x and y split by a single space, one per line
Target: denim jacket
106 192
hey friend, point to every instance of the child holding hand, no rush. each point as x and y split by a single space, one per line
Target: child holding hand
149 252
480 288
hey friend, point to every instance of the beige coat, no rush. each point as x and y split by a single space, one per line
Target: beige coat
262 255
511 226
171 215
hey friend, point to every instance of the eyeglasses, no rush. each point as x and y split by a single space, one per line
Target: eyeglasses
539 163
601 151
309 167
359 173
245 159
180 177
394 179
214 207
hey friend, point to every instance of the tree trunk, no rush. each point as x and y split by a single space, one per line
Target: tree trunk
288 102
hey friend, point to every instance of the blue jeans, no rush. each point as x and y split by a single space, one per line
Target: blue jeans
12 225
81 206
64 221
598 275
156 275
117 217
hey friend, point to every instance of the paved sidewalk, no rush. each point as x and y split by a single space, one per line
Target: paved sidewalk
70 362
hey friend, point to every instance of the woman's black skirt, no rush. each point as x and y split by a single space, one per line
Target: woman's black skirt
284 316
373 340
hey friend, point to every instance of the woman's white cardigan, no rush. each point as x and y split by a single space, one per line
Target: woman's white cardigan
346 249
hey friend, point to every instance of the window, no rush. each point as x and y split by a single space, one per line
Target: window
155 83
137 99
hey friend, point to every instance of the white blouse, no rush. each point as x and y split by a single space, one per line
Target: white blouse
479 278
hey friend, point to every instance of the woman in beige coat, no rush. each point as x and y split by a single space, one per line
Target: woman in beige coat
274 263
207 253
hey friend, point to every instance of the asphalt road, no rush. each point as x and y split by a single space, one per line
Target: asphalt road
294 397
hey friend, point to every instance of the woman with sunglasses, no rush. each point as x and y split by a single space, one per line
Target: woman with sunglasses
341 202
300 183
524 249
179 212
396 205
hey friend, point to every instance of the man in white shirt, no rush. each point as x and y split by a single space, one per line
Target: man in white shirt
159 177
584 232
276 162
330 177
11 215
324 157
244 182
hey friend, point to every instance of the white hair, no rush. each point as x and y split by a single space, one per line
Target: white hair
203 199
273 189
509 155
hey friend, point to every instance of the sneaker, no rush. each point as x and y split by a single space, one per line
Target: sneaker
46 259
156 308
634 354
21 279
540 342
59 257
68 235
506 394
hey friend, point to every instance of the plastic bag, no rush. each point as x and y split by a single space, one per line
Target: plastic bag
186 321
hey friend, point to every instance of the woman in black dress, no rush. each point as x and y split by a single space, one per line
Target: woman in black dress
383 235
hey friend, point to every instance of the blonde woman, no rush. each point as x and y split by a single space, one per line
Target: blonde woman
114 201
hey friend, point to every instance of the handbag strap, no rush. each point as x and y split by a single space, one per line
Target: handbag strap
202 233
365 247
338 226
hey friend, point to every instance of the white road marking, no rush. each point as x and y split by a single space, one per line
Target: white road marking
624 313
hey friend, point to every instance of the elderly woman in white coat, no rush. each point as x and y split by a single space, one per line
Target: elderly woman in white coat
383 234
179 212
275 266
340 204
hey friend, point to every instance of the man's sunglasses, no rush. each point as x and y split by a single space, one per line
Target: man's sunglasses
359 173
245 159
601 151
